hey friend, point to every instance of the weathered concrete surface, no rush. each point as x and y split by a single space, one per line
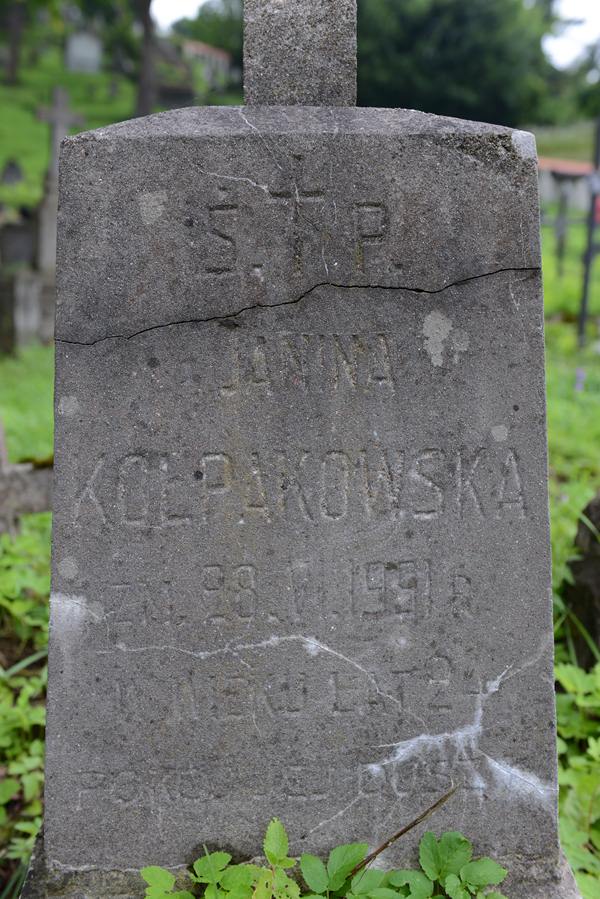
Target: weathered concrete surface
301 557
303 52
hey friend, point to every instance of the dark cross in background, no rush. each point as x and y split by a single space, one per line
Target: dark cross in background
592 247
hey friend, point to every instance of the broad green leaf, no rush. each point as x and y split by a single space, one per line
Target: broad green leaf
483 872
286 862
275 845
366 881
429 856
8 788
387 893
342 860
283 883
158 877
314 873
262 890
156 893
212 891
239 876
239 893
455 888
284 887
421 887
209 868
455 851
32 785
495 895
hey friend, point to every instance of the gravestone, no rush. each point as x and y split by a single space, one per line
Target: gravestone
8 340
31 324
12 173
20 285
17 243
83 52
24 488
301 560
17 249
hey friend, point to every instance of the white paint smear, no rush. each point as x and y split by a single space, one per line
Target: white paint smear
436 329
152 206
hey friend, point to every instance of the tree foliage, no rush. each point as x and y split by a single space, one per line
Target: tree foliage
219 23
477 60
474 59
15 17
587 80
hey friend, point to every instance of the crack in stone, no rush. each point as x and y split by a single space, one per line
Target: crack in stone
468 737
338 814
261 137
312 645
219 177
232 315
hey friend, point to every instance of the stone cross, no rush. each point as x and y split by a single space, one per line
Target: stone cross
301 557
61 119
300 52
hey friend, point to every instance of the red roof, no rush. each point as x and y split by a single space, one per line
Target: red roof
199 48
565 166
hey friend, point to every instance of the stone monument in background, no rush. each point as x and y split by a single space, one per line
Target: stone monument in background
83 52
17 253
28 250
301 560
60 119
25 488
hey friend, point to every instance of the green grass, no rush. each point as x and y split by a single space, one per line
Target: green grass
574 141
562 295
26 388
573 378
573 436
25 138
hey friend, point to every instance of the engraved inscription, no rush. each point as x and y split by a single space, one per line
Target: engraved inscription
164 490
312 363
222 253
371 225
299 594
229 593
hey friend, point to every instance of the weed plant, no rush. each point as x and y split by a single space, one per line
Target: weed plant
447 871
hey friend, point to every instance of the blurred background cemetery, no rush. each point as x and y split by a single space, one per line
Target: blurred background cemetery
68 65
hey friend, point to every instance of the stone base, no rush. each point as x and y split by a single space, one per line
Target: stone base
43 884
564 887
